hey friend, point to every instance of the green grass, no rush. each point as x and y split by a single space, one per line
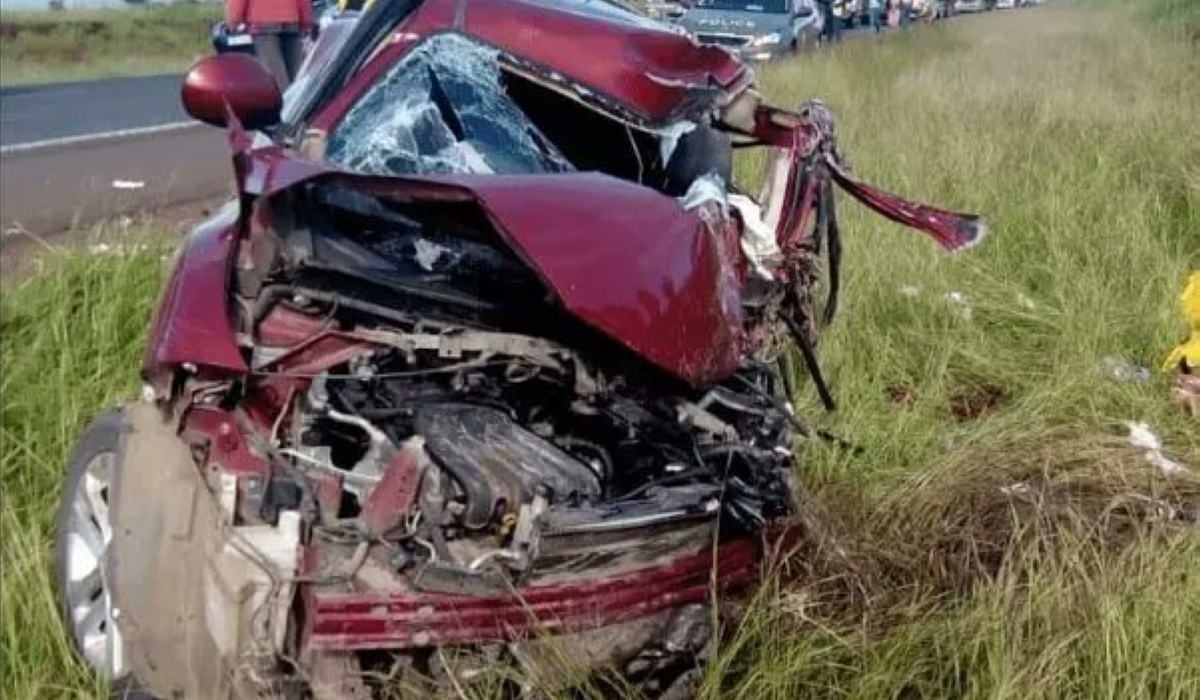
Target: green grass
37 47
1022 553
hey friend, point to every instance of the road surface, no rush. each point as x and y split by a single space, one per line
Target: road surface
34 114
76 153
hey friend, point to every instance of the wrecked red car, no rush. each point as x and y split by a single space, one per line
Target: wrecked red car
477 380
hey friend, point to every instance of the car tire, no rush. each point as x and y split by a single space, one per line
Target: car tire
82 535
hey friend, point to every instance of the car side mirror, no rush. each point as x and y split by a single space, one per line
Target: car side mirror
236 80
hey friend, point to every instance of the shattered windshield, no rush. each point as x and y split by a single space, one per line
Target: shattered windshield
442 109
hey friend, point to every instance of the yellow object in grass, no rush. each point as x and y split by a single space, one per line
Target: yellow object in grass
1187 355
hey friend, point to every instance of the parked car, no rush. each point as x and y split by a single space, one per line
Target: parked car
755 29
966 6
474 378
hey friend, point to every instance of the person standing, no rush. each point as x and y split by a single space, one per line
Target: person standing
875 13
829 27
279 28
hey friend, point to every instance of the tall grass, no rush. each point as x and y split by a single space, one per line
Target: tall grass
995 537
992 540
70 343
40 47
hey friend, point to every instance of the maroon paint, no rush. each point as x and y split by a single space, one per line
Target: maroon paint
286 327
373 620
318 353
952 230
225 440
390 500
626 260
192 322
652 73
231 81
328 493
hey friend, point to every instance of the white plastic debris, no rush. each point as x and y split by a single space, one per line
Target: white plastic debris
709 189
128 184
668 138
118 250
1123 370
1025 302
1018 489
1141 437
707 197
428 253
909 291
961 306
758 240
1163 462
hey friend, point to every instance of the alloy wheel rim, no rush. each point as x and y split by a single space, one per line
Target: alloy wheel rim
89 604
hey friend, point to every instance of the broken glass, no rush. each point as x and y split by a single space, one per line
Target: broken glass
442 109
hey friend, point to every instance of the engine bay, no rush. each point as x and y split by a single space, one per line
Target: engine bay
512 450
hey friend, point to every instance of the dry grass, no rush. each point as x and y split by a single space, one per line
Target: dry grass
39 47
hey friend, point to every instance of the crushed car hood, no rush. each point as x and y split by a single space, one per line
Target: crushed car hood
677 306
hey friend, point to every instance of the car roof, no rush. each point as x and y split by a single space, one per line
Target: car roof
595 48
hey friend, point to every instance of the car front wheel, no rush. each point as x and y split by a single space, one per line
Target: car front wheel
84 534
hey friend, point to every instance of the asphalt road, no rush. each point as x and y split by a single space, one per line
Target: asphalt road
36 113
76 153
47 191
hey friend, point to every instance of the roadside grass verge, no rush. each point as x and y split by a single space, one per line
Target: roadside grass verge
37 47
70 343
996 537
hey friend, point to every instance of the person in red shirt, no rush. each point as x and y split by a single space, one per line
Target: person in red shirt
278 27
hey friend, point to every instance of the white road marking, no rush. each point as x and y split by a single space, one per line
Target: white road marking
18 148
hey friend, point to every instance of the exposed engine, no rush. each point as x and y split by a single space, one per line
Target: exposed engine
515 458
